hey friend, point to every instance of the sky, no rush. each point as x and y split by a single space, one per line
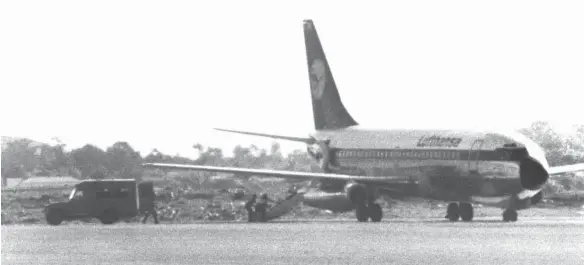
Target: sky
162 74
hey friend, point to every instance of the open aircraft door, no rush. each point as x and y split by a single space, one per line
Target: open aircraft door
474 156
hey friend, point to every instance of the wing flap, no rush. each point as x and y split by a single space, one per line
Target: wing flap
283 174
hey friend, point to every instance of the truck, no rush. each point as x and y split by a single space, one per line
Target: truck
109 200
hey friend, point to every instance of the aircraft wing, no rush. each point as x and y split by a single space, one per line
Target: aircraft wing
284 174
566 169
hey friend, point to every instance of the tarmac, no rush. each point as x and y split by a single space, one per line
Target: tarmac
539 241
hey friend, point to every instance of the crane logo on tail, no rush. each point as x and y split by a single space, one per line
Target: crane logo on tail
318 76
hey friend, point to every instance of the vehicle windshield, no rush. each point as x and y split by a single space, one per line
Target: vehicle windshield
72 194
75 193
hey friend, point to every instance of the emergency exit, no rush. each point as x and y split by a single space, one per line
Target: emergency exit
474 156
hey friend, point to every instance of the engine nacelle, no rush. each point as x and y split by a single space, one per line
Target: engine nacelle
356 192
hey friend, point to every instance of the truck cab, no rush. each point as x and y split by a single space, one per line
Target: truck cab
109 200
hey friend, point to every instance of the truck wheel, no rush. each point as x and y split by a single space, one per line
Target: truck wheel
108 217
54 217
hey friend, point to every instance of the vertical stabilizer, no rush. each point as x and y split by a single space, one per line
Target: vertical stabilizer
328 110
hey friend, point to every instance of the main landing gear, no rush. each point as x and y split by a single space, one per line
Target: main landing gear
371 211
462 210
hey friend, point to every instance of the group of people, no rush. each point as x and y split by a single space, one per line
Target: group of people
257 208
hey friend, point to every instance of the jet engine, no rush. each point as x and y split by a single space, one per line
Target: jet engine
355 192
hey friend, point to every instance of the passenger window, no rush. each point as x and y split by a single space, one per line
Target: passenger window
111 194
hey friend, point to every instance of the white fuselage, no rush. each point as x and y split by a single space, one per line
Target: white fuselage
450 142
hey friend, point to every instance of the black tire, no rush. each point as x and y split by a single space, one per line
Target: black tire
452 213
54 217
466 211
375 212
510 216
362 213
108 217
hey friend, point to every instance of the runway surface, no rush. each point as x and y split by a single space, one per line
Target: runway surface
529 241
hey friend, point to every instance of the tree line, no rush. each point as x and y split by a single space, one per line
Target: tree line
23 157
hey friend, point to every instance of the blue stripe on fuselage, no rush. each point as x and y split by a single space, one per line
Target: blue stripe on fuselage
420 154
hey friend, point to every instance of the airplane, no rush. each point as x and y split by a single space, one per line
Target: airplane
359 164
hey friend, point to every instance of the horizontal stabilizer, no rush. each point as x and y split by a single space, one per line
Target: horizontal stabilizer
283 174
566 169
306 140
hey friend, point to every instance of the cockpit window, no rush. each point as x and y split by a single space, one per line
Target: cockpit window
533 148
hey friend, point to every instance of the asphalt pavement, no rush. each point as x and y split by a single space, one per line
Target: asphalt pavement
528 241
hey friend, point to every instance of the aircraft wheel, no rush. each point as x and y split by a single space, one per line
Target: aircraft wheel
362 213
510 215
452 213
375 212
108 217
466 211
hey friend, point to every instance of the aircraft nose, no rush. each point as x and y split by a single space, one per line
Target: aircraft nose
532 173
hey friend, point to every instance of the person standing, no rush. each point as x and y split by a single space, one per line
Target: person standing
249 206
262 207
147 200
151 211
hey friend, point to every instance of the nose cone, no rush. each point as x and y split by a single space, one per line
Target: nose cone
532 173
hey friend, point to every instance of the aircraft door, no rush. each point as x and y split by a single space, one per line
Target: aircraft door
474 156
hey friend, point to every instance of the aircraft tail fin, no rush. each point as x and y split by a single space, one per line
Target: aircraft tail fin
328 110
